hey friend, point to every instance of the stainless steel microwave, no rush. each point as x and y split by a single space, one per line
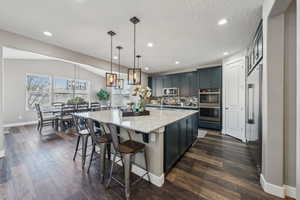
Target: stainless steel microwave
171 91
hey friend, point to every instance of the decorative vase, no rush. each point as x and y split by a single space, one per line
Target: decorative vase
142 105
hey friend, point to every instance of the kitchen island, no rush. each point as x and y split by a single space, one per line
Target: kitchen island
167 134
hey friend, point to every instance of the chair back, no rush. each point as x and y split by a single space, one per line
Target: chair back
79 123
82 107
95 106
67 109
114 135
90 125
38 111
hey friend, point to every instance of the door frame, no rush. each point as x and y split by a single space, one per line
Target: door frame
236 59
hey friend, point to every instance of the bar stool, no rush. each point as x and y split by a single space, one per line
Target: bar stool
127 150
83 135
103 142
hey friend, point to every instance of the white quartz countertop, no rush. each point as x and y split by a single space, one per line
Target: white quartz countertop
157 119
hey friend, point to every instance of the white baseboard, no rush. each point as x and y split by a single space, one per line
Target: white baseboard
155 180
19 124
202 133
290 191
2 154
279 191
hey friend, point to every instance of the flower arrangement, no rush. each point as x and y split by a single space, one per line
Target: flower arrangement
143 94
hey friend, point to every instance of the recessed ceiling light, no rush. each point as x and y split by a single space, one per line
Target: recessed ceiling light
177 62
222 22
146 68
115 57
47 33
150 44
226 53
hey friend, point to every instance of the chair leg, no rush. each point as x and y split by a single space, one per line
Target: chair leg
41 128
108 146
127 167
102 161
78 140
38 125
146 165
91 159
84 147
111 170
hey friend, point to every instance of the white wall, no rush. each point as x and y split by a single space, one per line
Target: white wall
298 100
15 71
1 106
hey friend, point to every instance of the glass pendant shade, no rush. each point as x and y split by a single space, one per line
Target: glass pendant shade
120 83
111 78
134 76
135 73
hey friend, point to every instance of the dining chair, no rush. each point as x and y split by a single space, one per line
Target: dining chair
82 107
127 151
45 121
66 119
95 106
102 142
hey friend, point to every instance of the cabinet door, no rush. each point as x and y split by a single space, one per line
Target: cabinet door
194 86
204 78
171 140
167 82
189 128
216 77
183 136
184 83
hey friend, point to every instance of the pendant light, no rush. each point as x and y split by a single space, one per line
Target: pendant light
134 74
111 78
120 82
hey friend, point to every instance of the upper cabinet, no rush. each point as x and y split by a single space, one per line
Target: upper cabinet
210 77
188 83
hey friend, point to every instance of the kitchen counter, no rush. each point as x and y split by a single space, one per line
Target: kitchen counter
169 133
157 119
173 106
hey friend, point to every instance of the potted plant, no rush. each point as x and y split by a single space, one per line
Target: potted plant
144 94
76 100
103 95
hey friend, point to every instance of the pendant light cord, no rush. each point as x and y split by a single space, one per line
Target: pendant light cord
119 64
111 53
134 41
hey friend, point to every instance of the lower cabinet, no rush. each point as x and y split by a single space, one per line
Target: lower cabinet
178 137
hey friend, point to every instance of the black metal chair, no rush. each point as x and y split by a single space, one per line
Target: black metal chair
95 106
83 135
126 150
66 119
45 121
103 142
82 107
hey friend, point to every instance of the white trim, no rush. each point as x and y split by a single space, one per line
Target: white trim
2 154
290 191
19 124
155 180
270 188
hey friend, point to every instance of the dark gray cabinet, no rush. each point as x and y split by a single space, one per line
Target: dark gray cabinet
210 77
178 137
188 83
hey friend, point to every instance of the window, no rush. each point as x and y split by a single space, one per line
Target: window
41 90
38 90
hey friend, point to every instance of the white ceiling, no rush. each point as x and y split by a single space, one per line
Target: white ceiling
183 30
9 53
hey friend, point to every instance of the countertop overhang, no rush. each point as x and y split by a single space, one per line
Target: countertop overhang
157 119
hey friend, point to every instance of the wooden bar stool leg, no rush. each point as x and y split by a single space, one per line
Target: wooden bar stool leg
91 158
127 168
102 161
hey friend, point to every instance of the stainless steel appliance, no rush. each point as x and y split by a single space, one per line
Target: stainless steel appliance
210 106
171 92
210 97
253 110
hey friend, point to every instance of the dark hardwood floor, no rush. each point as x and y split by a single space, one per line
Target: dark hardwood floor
216 168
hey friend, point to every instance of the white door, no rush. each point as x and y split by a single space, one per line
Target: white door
234 100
